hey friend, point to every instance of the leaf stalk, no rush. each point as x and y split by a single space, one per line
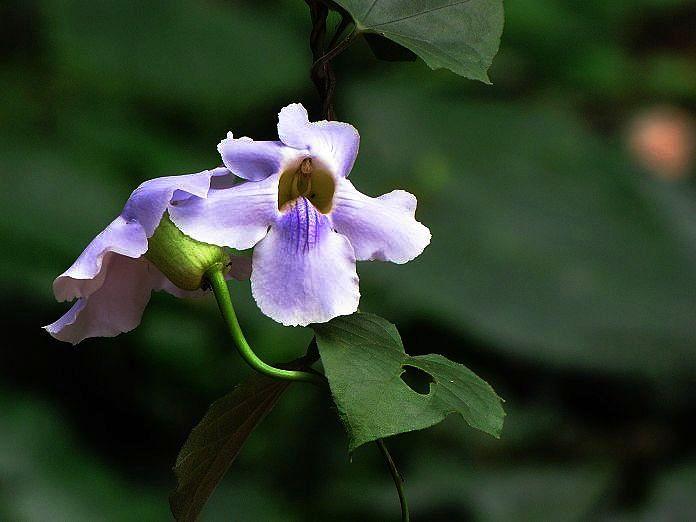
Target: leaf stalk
398 479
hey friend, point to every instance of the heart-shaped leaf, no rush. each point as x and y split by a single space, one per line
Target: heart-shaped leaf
364 361
216 441
460 35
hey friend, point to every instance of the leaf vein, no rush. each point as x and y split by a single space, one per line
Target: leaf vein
414 15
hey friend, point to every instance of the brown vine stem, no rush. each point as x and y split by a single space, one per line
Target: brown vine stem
324 79
321 72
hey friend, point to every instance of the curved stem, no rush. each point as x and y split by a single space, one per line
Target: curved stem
398 479
222 295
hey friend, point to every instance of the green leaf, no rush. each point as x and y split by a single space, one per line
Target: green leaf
460 35
364 360
216 441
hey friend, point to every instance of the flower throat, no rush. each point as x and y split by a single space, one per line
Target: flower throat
308 181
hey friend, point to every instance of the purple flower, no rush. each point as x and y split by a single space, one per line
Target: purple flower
306 220
112 280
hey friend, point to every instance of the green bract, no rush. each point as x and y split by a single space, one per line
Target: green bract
183 260
364 360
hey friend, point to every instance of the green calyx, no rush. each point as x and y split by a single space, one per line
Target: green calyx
183 260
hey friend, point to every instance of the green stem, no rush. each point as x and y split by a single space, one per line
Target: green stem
398 479
222 295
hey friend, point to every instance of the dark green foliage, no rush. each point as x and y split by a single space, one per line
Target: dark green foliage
216 441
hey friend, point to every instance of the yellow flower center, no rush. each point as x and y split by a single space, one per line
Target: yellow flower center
307 180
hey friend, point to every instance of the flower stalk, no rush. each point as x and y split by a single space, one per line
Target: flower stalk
222 294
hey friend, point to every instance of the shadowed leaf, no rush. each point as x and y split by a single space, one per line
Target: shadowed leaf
216 441
388 50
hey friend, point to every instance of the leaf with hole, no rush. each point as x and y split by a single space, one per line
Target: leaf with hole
380 390
216 441
460 35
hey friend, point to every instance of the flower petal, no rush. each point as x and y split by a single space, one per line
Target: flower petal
116 307
382 228
334 142
87 273
237 217
303 272
127 234
254 160
148 202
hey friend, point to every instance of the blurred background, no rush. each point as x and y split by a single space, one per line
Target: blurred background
562 202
